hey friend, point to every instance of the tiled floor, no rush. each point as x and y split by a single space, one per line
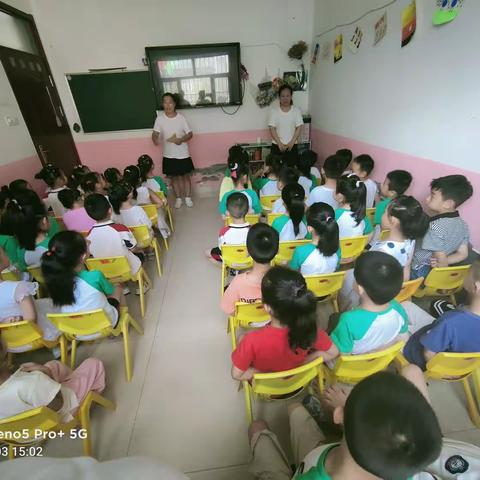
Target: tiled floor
182 406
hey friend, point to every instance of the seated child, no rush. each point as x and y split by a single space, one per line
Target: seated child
112 176
380 321
235 233
153 182
446 241
287 175
292 337
56 181
346 155
291 226
236 155
312 159
406 221
396 183
323 254
8 243
52 385
262 245
351 215
93 182
268 183
109 239
306 179
456 331
362 167
239 175
332 170
76 177
75 216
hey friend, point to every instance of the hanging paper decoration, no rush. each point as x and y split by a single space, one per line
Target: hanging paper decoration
446 11
315 54
338 48
380 28
409 23
326 47
356 40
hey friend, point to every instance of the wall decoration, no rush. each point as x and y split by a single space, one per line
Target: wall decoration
446 11
326 47
315 54
409 23
380 28
356 40
296 80
338 48
296 52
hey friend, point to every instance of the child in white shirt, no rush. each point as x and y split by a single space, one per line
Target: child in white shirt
287 175
56 181
268 184
332 170
362 167
306 180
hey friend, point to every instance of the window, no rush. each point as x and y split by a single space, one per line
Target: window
15 33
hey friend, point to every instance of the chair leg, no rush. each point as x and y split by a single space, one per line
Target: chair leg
471 401
85 424
233 333
135 325
73 355
170 219
335 304
453 300
165 241
248 402
63 349
142 297
10 359
223 279
126 351
104 402
156 249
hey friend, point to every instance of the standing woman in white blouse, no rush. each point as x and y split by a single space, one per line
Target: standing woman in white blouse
285 124
177 163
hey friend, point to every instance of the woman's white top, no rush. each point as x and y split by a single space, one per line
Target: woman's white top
167 127
285 123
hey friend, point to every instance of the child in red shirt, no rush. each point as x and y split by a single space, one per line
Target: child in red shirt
292 338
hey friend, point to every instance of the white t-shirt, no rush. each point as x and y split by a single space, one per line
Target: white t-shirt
285 122
306 183
402 251
167 127
322 194
372 189
278 206
54 203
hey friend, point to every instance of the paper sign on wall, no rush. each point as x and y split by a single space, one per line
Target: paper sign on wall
356 40
380 28
409 23
326 47
338 49
446 11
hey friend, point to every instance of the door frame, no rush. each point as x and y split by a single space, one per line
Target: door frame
14 12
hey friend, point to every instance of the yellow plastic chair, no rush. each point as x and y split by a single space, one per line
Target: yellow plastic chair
286 249
408 289
9 275
384 235
268 385
235 257
34 425
145 239
93 325
271 217
354 368
117 270
167 209
327 285
251 218
352 248
36 272
267 202
152 213
245 315
371 215
444 282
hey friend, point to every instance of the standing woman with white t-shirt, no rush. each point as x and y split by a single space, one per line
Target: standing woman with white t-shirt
177 163
285 124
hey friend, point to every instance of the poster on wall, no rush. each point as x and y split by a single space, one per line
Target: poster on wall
380 28
315 54
446 11
356 40
326 47
409 23
338 48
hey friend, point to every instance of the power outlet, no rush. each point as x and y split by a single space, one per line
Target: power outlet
11 121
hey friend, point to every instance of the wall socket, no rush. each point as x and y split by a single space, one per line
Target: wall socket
11 121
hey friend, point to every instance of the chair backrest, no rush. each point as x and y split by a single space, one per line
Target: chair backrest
408 289
281 383
384 235
9 275
21 336
326 284
352 247
271 217
160 195
371 214
81 323
36 272
236 256
248 313
286 249
114 268
141 234
353 368
446 364
251 218
151 211
447 279
267 201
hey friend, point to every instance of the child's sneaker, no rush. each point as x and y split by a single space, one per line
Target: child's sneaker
188 202
178 202
126 291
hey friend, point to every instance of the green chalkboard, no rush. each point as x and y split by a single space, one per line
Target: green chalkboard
113 101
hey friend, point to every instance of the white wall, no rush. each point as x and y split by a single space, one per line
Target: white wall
423 100
109 33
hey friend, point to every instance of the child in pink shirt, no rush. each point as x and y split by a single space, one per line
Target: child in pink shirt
262 245
76 217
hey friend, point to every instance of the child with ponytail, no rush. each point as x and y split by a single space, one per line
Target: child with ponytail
112 176
267 183
153 182
292 225
323 254
291 338
56 181
93 182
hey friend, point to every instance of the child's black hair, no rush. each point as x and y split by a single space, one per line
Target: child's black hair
334 166
119 194
97 206
293 196
76 177
303 164
145 165
236 154
131 175
15 186
89 182
49 174
355 193
112 175
321 217
238 171
390 429
274 162
237 205
365 162
346 156
262 243
380 275
293 305
413 220
453 187
68 197
4 197
288 175
59 266
399 181
311 156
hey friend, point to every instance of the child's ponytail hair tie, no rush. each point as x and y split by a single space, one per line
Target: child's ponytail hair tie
233 171
328 219
358 184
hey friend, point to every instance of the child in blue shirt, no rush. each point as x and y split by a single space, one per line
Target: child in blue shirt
292 225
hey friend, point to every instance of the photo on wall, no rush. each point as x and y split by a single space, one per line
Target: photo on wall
296 80
338 48
409 23
380 28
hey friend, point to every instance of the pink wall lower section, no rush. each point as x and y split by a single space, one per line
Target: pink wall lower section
422 170
25 168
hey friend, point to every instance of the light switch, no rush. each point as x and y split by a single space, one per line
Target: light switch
11 121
